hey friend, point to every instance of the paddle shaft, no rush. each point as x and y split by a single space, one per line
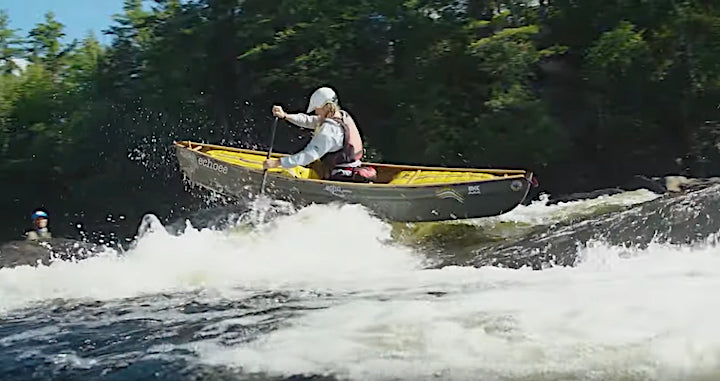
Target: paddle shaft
272 141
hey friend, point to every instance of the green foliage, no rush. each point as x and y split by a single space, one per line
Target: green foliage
10 51
617 51
614 87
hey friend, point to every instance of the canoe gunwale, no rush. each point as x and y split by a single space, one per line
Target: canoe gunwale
510 174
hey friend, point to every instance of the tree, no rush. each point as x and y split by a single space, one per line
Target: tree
10 53
45 46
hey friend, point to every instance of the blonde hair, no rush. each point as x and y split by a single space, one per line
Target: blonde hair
332 107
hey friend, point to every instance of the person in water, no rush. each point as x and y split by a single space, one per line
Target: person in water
336 141
40 229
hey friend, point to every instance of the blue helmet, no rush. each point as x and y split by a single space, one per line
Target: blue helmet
37 214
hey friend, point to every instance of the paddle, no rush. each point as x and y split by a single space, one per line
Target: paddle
272 141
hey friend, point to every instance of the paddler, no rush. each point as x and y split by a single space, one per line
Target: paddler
336 141
40 229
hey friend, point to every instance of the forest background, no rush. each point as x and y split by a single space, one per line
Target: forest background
584 93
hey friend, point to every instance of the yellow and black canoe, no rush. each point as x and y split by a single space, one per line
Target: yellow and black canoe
402 193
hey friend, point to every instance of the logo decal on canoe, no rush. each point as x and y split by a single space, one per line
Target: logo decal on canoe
516 185
337 191
205 162
450 193
474 189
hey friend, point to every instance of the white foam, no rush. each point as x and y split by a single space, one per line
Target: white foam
647 313
650 314
539 212
313 248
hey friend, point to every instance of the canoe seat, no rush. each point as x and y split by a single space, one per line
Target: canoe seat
437 177
254 161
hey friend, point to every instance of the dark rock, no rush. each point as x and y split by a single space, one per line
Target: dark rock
32 253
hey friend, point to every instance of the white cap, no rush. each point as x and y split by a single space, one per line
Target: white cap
320 96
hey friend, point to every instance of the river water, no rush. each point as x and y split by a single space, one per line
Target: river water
622 287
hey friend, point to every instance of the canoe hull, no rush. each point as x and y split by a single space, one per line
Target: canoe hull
395 203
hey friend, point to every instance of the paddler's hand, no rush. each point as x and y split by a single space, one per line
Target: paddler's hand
271 163
279 112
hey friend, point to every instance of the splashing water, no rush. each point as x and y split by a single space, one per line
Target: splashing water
311 248
540 212
649 315
325 291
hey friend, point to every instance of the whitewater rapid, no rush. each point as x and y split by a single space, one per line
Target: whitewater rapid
382 313
651 313
542 212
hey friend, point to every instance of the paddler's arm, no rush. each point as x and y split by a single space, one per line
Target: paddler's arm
300 120
329 138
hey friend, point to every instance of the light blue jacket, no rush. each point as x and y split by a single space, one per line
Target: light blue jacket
329 137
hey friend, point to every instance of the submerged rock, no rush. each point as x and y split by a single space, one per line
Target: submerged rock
686 218
33 253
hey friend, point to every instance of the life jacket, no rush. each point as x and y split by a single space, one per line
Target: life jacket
343 164
352 149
